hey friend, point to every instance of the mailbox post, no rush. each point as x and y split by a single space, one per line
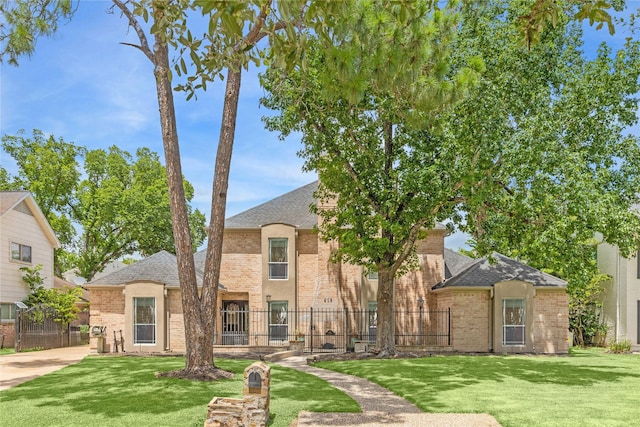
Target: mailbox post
250 411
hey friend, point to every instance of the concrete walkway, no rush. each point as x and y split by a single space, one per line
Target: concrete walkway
17 368
379 406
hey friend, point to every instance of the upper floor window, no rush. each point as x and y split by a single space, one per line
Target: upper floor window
20 252
7 311
278 259
372 275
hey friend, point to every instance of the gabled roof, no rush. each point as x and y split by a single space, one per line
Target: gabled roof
291 208
454 263
481 273
161 267
12 199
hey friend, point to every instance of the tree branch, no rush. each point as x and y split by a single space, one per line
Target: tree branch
144 44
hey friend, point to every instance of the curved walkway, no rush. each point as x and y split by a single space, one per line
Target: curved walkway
379 406
17 368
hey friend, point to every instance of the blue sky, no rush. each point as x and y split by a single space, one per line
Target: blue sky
86 87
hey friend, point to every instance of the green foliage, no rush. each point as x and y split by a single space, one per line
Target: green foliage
62 301
543 13
363 118
32 277
27 20
623 346
120 206
585 302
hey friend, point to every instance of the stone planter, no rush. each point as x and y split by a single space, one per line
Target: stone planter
296 345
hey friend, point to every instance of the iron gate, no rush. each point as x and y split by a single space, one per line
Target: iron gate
37 328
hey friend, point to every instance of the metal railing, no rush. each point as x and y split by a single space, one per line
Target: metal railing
330 330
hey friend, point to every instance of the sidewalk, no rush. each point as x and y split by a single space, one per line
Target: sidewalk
379 406
17 368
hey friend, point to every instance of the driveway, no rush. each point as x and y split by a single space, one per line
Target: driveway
17 368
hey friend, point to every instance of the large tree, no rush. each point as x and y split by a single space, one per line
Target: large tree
534 156
234 29
364 106
103 205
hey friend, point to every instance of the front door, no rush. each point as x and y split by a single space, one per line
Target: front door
235 322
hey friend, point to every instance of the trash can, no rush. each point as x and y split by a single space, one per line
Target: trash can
100 344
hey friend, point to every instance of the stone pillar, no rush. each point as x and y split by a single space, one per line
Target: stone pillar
250 411
256 390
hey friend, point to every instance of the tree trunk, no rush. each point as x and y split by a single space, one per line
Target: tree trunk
198 325
215 233
385 340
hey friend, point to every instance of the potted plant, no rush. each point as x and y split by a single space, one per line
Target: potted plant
299 335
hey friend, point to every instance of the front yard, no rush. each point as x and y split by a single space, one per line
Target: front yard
123 391
589 388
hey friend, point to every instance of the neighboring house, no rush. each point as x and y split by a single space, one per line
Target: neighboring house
274 264
621 300
26 240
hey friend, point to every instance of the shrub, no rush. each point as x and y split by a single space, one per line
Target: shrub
623 346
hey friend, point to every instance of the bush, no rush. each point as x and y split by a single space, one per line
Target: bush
623 346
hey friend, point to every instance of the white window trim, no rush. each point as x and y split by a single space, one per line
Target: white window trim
274 263
155 324
523 326
9 320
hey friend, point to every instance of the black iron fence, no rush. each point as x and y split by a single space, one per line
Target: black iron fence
330 330
37 328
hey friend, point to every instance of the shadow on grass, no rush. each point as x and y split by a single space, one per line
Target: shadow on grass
123 389
421 381
113 386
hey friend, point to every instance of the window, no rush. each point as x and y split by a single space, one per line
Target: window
513 321
372 275
372 314
278 320
20 252
144 320
278 259
7 311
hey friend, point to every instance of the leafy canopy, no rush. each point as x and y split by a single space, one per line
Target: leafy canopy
102 204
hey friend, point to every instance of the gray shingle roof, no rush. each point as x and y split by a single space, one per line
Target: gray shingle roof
291 208
481 273
161 267
454 263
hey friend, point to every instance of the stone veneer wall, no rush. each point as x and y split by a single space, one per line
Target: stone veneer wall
551 321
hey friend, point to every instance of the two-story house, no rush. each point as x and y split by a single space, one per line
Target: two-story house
621 300
277 282
26 240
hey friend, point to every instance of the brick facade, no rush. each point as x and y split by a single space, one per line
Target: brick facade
551 322
315 282
8 334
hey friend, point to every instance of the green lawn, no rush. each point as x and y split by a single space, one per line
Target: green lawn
123 391
589 388
7 351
